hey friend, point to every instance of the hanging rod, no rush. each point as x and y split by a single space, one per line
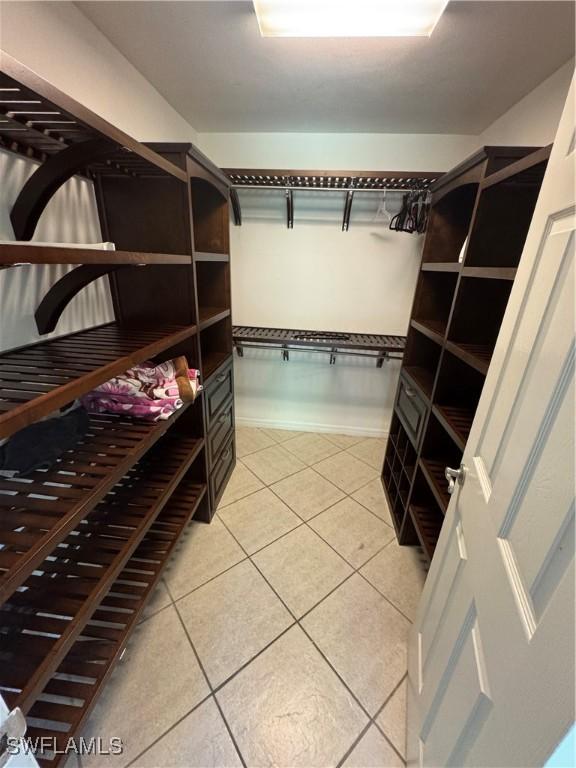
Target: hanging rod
299 188
286 349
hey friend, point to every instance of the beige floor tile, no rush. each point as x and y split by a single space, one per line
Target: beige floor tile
258 519
307 493
231 619
249 440
159 599
157 683
372 497
399 574
301 568
343 441
288 709
392 719
352 530
201 740
373 751
346 471
363 637
371 451
310 448
281 435
242 483
273 464
204 552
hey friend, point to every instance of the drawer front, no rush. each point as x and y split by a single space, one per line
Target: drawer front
217 393
221 471
220 432
411 410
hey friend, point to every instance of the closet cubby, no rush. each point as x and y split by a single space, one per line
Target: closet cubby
216 346
421 361
397 473
456 397
426 514
482 210
210 218
439 450
432 303
213 280
478 312
503 218
449 223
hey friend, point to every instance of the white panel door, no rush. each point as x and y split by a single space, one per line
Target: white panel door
491 657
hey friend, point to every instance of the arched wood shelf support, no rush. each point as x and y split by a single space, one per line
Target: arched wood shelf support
49 177
63 291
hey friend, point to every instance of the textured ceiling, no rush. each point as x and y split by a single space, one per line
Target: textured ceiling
209 61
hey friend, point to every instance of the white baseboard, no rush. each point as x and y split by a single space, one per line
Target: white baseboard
297 426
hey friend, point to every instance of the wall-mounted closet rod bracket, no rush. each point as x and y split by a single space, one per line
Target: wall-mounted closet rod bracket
347 210
334 353
289 209
236 209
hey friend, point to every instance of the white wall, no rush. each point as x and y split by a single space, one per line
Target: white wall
534 119
70 217
318 277
56 40
337 151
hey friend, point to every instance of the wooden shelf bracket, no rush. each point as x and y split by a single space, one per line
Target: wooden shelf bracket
63 291
49 177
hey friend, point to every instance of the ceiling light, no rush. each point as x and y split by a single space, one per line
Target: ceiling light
348 18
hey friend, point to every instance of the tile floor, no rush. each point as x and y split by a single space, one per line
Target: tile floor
278 634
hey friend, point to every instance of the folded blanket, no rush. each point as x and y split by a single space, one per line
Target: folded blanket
147 391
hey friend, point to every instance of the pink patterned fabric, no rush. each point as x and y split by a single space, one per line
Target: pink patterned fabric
146 391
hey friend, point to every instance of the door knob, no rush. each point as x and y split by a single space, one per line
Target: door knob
455 476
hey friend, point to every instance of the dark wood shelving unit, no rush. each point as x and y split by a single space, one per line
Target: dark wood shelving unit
83 672
81 570
37 379
91 535
479 219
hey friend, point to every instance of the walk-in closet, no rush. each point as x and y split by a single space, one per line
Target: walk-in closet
286 384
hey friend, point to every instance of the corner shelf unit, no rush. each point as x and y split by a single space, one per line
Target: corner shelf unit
83 544
479 219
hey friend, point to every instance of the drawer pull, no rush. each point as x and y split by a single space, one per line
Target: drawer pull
224 455
220 378
409 392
